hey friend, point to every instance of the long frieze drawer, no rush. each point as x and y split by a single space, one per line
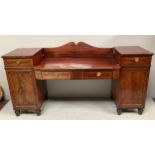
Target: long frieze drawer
136 60
18 63
52 75
98 75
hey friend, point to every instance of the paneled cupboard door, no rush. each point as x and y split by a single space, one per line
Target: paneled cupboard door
22 87
133 86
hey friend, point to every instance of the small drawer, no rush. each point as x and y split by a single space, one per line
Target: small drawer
98 75
136 60
18 63
56 75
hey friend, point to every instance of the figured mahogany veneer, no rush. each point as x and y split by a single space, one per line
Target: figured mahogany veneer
77 64
28 68
56 76
18 63
66 68
136 61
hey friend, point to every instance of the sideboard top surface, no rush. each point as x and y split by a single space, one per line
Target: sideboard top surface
79 50
22 53
76 64
132 50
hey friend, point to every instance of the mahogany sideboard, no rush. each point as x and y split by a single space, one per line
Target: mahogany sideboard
28 68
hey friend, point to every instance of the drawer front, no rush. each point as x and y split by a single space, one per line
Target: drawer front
136 60
56 75
18 63
98 75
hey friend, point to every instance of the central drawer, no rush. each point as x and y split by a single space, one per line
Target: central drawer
79 75
98 75
56 75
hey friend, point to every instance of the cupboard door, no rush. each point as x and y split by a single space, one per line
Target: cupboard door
133 86
22 87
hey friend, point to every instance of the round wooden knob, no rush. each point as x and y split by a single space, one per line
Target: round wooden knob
137 59
18 62
56 75
98 74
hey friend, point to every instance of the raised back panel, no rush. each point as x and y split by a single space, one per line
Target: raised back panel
80 50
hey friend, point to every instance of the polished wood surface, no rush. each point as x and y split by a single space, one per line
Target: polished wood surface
131 89
22 53
76 64
56 76
27 69
18 63
22 91
77 75
80 50
136 61
132 51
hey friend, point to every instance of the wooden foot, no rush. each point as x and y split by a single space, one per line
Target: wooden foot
17 112
38 112
119 111
111 96
3 103
140 111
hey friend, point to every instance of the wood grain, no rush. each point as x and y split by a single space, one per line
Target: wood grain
130 90
28 68
18 63
80 50
76 64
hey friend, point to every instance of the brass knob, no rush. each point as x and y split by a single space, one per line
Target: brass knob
18 62
137 59
98 74
56 75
